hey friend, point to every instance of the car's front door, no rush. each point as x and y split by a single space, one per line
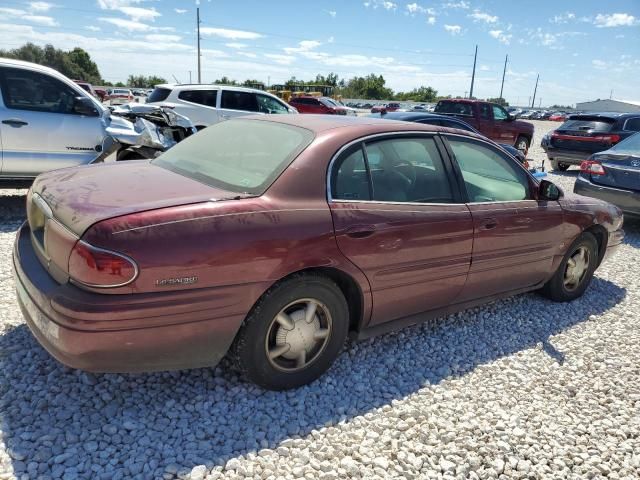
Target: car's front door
515 236
504 130
236 103
400 219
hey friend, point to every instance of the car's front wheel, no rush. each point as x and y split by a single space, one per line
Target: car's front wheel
575 271
293 334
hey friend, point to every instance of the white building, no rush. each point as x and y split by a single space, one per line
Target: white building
608 105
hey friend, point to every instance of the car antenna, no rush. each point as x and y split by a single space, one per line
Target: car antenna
177 81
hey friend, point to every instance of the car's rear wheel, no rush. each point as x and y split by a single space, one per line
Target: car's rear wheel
563 167
522 144
293 334
575 271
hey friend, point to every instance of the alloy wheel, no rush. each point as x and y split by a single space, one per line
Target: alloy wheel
577 267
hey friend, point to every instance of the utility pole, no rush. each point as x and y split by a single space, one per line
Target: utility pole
473 75
611 94
506 59
198 22
540 103
534 92
190 77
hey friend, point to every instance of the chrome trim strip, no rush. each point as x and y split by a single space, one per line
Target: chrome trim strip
42 205
110 252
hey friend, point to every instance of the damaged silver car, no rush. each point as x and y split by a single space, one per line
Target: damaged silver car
48 122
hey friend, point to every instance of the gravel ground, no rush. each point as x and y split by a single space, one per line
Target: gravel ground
522 388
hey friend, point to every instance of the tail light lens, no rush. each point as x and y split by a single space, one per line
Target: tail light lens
592 167
100 268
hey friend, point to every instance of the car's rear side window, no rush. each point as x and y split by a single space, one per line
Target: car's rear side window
458 108
159 95
201 97
633 124
238 155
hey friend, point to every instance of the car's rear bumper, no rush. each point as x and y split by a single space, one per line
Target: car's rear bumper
570 157
627 200
124 333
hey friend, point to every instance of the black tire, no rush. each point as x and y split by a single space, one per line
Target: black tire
127 154
556 288
522 144
200 127
249 350
563 167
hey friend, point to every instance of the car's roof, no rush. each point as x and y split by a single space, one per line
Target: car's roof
207 86
320 124
605 114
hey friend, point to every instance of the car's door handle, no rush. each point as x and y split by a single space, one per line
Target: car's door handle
15 122
489 224
361 231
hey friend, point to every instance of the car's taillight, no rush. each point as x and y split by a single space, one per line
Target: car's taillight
612 139
592 167
97 267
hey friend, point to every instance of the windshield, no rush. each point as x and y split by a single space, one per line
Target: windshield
243 156
629 146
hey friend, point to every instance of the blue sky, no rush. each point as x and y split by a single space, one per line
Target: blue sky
582 49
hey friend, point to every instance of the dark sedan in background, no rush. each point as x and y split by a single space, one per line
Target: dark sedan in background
614 176
582 135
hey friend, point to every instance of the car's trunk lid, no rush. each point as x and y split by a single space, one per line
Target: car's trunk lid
585 133
80 197
621 171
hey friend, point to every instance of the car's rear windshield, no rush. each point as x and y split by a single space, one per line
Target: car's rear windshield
244 156
458 108
629 146
120 90
588 124
159 95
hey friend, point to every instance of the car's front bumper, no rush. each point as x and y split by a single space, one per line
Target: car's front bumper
123 333
627 200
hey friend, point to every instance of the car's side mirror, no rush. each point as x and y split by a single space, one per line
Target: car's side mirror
549 191
510 118
85 106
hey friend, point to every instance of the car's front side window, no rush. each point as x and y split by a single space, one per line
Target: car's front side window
489 176
34 91
267 104
499 113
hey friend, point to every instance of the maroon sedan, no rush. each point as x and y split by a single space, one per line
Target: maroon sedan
273 238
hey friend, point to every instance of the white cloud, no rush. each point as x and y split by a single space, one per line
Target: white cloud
501 36
236 45
280 59
230 34
180 10
247 54
479 16
305 46
615 20
484 68
93 28
431 20
453 29
563 18
40 6
125 24
599 64
387 5
462 4
140 14
155 37
332 13
28 17
414 8
41 20
330 39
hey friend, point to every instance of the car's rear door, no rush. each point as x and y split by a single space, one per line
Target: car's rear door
198 105
515 236
39 125
409 234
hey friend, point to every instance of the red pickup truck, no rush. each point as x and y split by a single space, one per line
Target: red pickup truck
491 120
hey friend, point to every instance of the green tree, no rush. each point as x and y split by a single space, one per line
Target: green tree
225 81
75 64
140 81
422 94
